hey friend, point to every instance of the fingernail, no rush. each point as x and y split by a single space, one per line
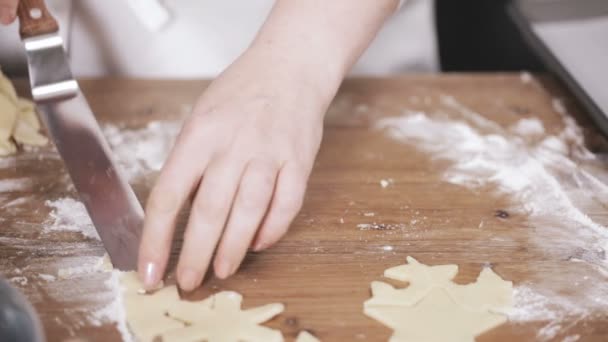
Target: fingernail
188 280
151 276
259 246
5 17
224 269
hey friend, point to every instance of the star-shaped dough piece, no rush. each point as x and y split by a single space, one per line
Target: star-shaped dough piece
220 318
147 313
488 293
421 278
433 308
436 318
217 318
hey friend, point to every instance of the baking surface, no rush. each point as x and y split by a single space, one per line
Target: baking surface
350 229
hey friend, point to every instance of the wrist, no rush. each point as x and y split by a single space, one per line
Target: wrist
320 79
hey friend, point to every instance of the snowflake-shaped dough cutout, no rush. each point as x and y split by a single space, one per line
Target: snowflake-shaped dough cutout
220 318
433 308
435 318
217 318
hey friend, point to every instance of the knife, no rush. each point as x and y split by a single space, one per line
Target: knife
110 201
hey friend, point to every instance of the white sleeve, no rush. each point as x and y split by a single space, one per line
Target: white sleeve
401 2
150 13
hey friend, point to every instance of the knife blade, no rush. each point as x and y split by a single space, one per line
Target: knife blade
107 196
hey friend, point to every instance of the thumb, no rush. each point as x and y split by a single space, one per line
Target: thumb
8 11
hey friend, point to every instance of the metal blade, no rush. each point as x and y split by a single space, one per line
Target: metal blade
110 201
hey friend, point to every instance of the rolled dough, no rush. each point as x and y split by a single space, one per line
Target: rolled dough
433 308
218 318
18 120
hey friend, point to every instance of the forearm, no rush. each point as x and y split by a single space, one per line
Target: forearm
322 38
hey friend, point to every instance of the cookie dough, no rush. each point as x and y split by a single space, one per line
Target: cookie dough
18 120
218 318
433 308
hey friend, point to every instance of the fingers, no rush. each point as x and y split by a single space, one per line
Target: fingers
207 219
250 206
8 11
286 203
175 184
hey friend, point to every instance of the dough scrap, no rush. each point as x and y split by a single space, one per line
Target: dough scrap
305 336
18 120
218 318
433 308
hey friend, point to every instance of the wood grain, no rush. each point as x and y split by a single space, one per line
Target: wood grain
29 25
322 269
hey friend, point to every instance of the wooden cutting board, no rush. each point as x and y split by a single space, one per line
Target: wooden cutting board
322 269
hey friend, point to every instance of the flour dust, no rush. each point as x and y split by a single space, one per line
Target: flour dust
140 153
544 175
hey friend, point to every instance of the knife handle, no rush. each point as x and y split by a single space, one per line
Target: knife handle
35 19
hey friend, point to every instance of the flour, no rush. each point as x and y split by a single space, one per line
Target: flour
19 280
571 338
525 77
546 176
384 183
533 306
530 127
141 151
15 184
105 305
541 175
47 277
69 214
380 226
114 311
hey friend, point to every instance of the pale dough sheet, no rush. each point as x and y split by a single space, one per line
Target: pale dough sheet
18 120
217 318
433 308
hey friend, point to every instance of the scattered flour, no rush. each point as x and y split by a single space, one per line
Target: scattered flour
69 214
380 226
86 266
571 338
140 151
19 280
15 184
115 310
525 77
112 310
47 277
384 183
532 306
541 175
528 127
546 176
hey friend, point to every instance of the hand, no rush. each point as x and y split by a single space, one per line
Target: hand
244 156
8 11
